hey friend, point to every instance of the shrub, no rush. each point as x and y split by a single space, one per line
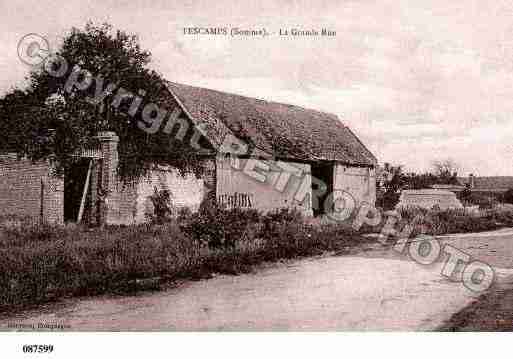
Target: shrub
508 196
40 263
465 196
162 208
283 215
503 216
183 214
387 199
482 200
436 222
218 227
275 219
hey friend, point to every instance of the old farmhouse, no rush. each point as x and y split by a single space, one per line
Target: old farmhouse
257 154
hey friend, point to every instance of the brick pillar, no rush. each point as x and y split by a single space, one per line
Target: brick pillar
108 176
209 182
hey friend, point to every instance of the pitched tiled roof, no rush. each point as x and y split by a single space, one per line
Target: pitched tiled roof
280 130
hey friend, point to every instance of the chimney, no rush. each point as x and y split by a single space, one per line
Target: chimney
471 180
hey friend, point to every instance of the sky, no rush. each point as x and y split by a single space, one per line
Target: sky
416 81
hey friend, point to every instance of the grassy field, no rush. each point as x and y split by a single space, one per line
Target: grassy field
491 312
437 222
45 262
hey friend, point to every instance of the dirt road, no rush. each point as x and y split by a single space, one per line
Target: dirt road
373 289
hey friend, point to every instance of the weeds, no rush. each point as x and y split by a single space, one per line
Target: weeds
437 222
45 262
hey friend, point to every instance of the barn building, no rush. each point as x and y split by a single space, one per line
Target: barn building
256 154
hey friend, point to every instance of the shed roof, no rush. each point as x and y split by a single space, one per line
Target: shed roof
427 198
280 130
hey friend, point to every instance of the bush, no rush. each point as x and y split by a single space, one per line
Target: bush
436 222
162 208
508 196
183 214
387 200
482 200
465 196
217 227
40 263
503 217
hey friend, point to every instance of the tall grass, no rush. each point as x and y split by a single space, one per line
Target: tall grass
437 222
45 262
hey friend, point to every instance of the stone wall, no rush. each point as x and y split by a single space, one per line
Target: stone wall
185 191
266 186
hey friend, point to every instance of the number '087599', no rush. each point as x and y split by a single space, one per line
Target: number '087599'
38 348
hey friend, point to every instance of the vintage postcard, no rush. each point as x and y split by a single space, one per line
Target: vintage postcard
254 166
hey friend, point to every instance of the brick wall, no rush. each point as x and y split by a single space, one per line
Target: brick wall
22 183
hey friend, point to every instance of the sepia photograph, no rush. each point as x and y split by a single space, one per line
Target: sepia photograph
254 166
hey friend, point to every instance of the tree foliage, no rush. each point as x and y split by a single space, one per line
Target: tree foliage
446 170
51 119
392 179
508 196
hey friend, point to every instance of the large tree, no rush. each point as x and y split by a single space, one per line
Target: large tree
64 107
446 170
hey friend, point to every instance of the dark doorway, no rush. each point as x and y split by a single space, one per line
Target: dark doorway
74 181
322 186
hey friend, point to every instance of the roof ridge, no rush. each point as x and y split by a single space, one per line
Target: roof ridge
256 98
282 130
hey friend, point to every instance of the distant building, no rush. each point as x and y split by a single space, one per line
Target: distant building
449 187
429 198
492 184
